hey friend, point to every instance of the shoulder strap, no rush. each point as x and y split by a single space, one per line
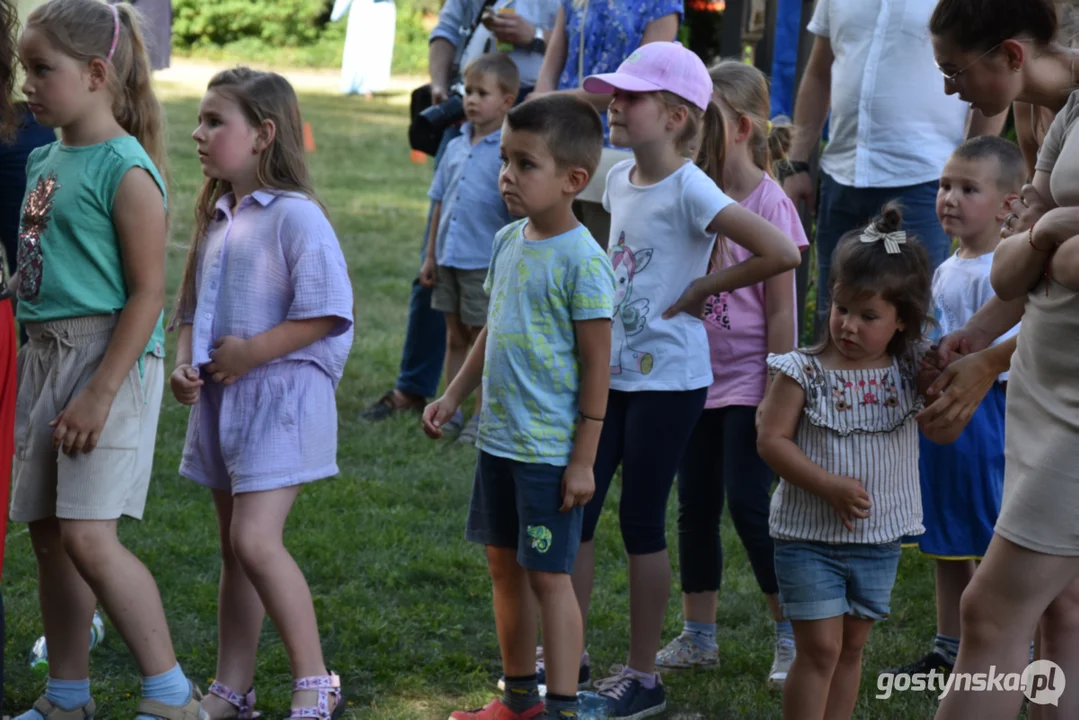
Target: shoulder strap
471 33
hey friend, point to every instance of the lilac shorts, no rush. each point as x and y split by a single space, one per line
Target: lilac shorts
275 427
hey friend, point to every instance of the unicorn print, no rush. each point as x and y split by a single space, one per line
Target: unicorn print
630 316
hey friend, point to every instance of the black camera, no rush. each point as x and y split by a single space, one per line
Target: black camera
428 125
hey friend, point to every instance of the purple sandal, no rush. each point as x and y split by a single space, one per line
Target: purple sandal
244 704
326 685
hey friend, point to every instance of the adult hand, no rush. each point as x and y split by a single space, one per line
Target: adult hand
959 391
799 187
439 94
510 28
1026 210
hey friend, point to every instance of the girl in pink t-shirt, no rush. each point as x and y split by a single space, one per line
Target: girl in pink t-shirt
743 327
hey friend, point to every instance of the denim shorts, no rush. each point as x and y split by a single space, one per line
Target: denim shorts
822 580
516 505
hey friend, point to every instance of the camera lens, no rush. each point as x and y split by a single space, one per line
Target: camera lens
441 116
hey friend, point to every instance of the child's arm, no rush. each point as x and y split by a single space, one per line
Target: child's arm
429 271
233 357
185 382
773 251
779 315
594 350
139 218
781 412
468 379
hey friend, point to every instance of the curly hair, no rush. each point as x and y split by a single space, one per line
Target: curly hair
9 31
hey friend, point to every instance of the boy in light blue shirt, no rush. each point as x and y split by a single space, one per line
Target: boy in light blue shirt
468 210
544 363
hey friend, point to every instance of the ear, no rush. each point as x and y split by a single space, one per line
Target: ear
576 180
266 134
1006 206
744 128
1013 54
677 116
508 102
99 74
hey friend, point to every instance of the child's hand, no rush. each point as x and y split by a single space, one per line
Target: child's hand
438 414
578 486
185 384
231 358
428 273
849 499
691 303
79 425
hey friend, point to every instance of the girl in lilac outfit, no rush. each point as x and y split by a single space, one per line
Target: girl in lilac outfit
265 315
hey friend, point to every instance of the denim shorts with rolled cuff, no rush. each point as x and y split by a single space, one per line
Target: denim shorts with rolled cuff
516 505
824 580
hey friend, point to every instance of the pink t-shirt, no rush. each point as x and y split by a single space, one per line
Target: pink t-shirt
736 322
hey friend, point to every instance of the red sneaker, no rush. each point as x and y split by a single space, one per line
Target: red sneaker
497 710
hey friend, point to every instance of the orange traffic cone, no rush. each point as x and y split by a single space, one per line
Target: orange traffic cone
308 138
418 157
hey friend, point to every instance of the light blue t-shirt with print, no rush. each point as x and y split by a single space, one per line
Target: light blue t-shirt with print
531 371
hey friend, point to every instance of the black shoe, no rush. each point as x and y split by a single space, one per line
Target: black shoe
385 407
924 665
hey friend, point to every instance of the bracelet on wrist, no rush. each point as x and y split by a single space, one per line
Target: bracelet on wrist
1030 240
798 167
582 416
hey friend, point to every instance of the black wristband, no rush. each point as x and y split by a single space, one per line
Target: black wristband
797 167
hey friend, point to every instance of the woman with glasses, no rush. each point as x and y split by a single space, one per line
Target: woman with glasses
993 53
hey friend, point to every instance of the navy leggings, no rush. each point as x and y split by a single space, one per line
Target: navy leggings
722 455
646 433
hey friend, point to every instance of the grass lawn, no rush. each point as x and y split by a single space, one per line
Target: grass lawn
403 600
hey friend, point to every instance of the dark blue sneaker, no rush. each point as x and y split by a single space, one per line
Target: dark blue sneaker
584 675
629 699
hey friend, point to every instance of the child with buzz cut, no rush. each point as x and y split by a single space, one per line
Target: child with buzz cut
544 361
963 483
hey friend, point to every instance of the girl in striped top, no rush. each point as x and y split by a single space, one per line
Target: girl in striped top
837 425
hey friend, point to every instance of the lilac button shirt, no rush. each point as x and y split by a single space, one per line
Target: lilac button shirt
275 258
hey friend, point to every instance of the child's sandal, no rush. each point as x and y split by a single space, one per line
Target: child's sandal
51 712
244 704
326 685
191 711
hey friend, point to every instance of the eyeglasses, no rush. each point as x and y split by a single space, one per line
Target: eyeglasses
955 75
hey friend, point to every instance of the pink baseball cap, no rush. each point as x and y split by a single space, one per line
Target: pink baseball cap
658 66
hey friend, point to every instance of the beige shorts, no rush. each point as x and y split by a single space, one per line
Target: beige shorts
112 479
461 292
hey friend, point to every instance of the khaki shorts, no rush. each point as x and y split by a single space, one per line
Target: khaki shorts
112 479
461 292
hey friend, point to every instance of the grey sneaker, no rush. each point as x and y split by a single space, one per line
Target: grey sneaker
682 653
781 664
470 432
453 427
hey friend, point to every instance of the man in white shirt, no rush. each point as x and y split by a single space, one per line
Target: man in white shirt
892 127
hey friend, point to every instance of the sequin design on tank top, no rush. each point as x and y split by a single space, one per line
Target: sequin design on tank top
35 219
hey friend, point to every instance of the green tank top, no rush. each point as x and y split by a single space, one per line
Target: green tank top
69 255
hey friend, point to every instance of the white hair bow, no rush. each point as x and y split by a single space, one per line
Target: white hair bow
892 240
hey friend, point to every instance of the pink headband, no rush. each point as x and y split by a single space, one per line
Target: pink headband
115 32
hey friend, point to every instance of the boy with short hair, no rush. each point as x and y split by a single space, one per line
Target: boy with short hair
544 359
962 483
467 213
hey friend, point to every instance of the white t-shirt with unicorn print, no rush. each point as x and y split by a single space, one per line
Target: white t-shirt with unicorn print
659 245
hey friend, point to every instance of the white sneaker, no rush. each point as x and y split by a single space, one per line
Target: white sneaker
781 664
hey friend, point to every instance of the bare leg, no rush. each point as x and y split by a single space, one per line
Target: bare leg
953 576
1011 589
515 612
457 342
561 621
843 693
258 521
584 575
774 608
473 333
649 592
700 607
820 644
67 603
1059 642
126 590
239 618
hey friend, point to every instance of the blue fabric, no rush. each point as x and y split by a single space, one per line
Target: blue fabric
64 694
170 688
823 580
784 628
843 208
466 183
785 56
539 289
703 635
963 484
518 505
612 31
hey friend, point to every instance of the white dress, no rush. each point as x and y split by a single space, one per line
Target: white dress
368 53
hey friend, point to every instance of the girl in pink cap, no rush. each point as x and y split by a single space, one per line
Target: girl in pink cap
666 214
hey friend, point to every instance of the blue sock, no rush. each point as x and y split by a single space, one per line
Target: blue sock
703 635
946 647
170 688
784 631
64 694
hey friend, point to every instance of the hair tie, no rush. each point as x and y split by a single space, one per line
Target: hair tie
115 32
892 240
769 127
